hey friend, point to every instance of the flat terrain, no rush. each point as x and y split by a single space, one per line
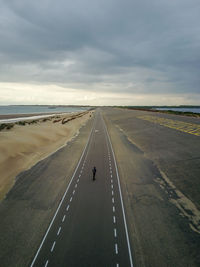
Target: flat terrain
159 167
159 164
89 228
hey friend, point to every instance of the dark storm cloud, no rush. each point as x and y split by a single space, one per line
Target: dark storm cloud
137 46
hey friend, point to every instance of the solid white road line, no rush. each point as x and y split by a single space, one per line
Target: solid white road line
59 231
116 248
52 248
63 218
115 232
52 221
120 193
46 263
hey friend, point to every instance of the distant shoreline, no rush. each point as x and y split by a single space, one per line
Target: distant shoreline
22 115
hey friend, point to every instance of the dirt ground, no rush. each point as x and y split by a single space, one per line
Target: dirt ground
162 210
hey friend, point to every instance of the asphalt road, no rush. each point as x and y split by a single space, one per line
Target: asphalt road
89 227
158 160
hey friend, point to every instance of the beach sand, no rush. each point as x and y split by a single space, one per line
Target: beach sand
23 146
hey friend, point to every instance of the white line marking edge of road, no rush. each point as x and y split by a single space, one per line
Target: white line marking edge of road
34 259
120 193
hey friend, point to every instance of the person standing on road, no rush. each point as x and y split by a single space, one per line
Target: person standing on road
94 170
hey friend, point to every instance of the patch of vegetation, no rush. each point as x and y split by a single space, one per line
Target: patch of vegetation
33 122
152 109
21 123
45 119
185 113
10 126
6 126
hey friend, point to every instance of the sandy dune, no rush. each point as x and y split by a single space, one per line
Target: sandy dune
23 146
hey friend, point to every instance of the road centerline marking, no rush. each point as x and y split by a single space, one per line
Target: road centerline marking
115 232
114 219
116 248
120 194
52 248
63 197
63 218
46 263
59 231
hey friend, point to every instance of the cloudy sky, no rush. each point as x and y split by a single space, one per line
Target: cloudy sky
103 52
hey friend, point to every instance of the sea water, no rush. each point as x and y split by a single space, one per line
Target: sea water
26 109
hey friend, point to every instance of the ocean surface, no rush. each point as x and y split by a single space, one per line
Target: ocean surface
6 110
194 110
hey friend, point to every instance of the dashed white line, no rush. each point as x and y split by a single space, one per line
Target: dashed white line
67 207
117 265
73 192
110 171
115 232
111 175
52 248
113 200
79 175
46 263
116 248
112 186
111 180
123 211
114 219
112 193
75 185
70 199
59 231
61 202
77 180
113 208
63 218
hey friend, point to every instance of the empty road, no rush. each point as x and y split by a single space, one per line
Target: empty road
89 227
